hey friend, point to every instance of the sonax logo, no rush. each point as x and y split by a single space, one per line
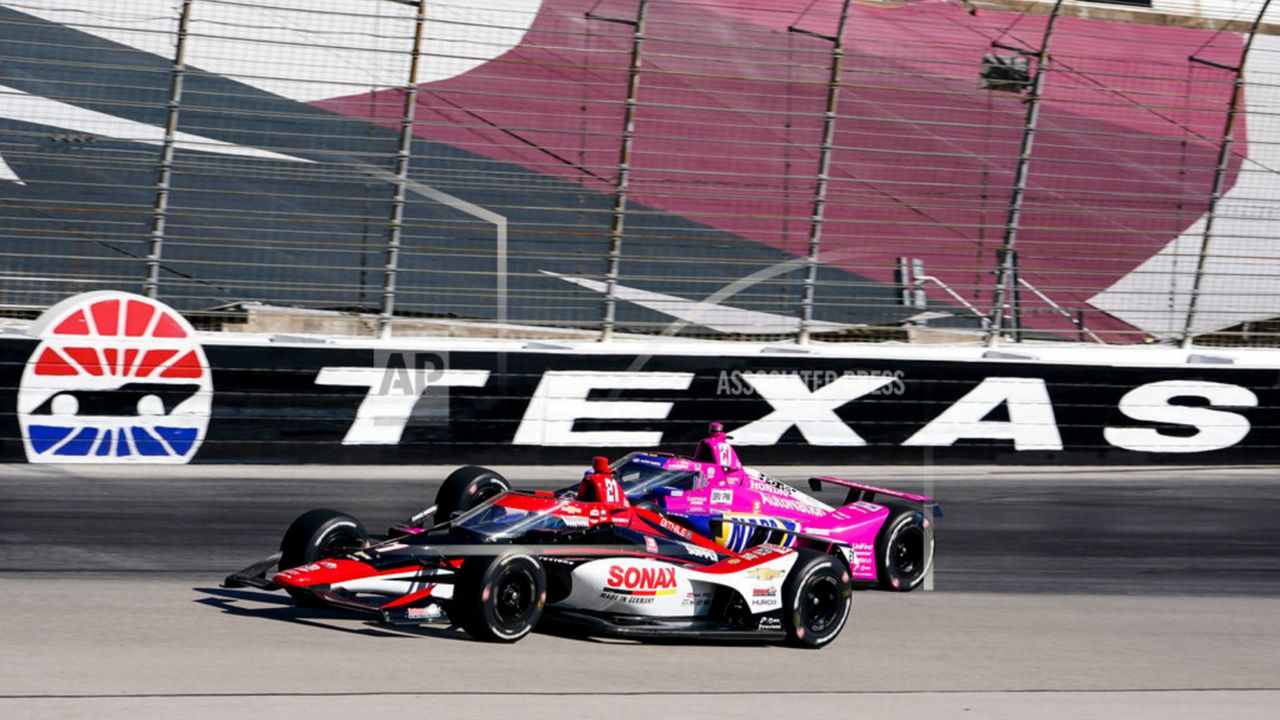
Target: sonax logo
116 378
641 581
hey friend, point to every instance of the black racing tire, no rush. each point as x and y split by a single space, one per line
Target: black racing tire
816 597
467 487
316 535
499 598
904 550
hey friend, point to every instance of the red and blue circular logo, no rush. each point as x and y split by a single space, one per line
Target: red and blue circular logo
116 377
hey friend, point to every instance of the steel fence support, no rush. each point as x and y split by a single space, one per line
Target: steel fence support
1220 170
395 225
824 171
618 224
160 209
1007 274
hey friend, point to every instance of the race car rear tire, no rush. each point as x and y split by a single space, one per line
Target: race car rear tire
316 535
904 550
467 487
815 599
500 598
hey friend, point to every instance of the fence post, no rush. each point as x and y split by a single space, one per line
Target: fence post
160 209
624 166
1007 275
824 171
1220 170
395 224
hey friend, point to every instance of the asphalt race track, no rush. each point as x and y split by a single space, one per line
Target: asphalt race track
1058 592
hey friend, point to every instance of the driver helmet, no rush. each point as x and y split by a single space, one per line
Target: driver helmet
600 485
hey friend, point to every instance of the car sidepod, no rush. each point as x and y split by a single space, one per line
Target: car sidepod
638 586
655 588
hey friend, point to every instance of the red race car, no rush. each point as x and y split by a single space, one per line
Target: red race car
501 561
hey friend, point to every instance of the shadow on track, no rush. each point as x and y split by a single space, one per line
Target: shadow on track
285 610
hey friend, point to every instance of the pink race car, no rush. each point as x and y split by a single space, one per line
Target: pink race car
885 535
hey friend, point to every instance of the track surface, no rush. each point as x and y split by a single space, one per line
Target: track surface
1058 593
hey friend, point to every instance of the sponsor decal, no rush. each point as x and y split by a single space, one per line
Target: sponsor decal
763 551
668 525
764 574
700 552
721 497
764 596
743 529
116 377
639 585
770 623
650 544
430 612
696 599
642 580
765 487
576 521
646 460
764 483
859 555
791 504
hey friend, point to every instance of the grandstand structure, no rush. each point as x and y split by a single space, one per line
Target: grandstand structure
809 170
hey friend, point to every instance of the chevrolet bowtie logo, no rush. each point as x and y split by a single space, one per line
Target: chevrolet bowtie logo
765 574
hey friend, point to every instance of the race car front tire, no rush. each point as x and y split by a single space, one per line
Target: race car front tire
316 535
904 550
815 599
467 487
499 598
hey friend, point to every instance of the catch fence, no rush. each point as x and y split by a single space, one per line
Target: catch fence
787 170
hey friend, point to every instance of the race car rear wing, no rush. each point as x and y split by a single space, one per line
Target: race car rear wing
863 491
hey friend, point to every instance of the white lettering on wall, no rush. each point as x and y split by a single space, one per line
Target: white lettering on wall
385 410
1031 424
813 413
1215 429
561 399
